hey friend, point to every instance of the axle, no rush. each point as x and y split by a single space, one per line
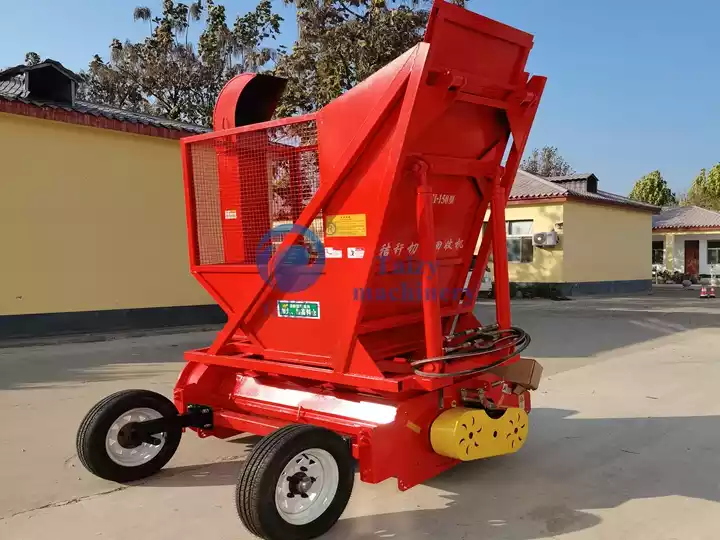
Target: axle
133 434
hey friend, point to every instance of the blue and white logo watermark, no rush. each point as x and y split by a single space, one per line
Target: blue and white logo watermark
407 284
295 268
301 264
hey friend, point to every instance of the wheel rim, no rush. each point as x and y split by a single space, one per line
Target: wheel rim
144 452
307 486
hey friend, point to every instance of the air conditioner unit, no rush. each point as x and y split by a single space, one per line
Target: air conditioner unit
545 239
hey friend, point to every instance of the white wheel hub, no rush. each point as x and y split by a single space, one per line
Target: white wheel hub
144 452
307 486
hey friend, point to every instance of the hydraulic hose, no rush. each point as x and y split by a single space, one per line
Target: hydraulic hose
480 341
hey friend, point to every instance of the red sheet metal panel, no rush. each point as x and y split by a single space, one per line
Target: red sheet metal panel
392 180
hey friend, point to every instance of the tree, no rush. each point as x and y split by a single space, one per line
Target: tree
705 190
342 42
546 161
653 189
165 76
32 59
143 14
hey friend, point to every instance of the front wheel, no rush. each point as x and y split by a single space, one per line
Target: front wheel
104 446
295 484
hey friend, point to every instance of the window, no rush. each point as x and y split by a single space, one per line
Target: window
658 252
519 228
519 241
713 252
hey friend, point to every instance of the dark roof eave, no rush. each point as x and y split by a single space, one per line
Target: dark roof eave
65 113
537 199
579 198
19 70
571 177
687 228
610 202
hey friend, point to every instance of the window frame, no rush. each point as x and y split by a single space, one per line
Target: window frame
661 250
526 248
715 249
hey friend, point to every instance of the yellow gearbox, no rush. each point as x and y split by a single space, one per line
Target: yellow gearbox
468 434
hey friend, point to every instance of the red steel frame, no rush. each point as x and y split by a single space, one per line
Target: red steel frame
246 381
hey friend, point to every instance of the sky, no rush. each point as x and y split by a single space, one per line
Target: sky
633 85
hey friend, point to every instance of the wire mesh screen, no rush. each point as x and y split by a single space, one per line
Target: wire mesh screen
250 184
206 188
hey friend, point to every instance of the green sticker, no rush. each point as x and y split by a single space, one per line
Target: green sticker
293 309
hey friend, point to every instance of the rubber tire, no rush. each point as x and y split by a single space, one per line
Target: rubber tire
90 440
255 490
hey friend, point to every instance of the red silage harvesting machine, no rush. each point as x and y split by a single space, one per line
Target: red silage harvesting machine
339 244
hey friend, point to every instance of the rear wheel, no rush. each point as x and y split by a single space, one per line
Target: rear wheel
104 446
295 484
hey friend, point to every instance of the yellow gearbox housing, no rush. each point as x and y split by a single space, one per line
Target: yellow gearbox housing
469 434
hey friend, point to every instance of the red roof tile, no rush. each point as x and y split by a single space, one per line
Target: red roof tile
687 217
528 186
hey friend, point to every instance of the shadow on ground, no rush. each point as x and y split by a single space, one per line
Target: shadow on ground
587 327
570 469
578 329
139 358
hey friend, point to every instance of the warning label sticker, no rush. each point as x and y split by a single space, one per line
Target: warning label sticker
346 225
292 309
356 253
332 253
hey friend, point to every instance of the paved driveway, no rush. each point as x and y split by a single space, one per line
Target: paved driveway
625 441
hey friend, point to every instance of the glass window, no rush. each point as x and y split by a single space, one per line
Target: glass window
713 252
514 249
519 241
526 254
658 251
519 228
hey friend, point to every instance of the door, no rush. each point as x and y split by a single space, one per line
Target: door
692 257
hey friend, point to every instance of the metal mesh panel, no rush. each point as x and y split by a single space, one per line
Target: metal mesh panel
206 189
248 183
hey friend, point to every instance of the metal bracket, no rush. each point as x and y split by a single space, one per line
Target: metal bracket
474 398
135 433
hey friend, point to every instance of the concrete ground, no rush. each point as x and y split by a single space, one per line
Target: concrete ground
624 444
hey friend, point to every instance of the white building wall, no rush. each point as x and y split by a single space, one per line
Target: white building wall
678 252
